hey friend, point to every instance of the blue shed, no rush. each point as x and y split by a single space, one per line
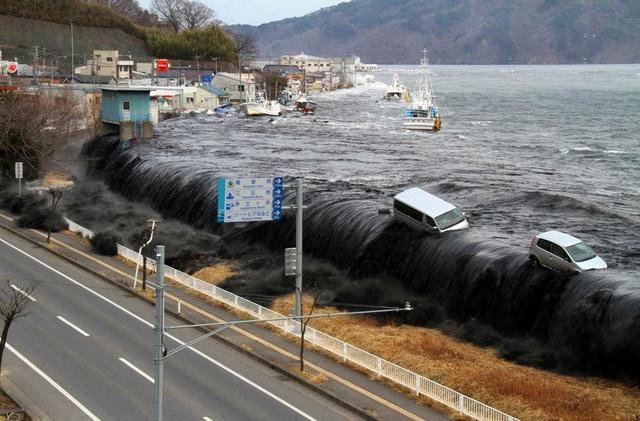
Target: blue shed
127 111
126 104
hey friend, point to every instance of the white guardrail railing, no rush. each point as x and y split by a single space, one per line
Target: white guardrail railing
347 352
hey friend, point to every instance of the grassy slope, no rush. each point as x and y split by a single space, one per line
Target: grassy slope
524 392
18 35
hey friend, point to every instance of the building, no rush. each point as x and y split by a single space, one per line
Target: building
282 69
239 90
310 63
209 97
108 63
127 111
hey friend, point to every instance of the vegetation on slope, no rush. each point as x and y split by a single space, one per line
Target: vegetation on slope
208 41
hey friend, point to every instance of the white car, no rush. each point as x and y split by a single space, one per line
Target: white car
424 211
563 252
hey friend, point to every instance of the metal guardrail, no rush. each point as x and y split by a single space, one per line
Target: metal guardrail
347 352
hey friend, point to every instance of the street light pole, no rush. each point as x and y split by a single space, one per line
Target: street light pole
159 330
299 203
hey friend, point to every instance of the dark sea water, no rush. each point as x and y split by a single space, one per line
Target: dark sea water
523 149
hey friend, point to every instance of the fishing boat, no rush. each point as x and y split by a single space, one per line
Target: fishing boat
423 113
260 106
305 105
395 90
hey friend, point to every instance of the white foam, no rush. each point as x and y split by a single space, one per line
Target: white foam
581 148
615 152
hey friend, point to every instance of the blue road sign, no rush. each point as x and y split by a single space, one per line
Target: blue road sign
249 199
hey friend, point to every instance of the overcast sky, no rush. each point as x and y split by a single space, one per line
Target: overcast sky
255 12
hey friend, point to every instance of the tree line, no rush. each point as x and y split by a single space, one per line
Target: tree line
174 29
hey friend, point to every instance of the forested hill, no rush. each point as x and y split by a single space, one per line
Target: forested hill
462 31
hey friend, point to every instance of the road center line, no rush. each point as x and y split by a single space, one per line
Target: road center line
137 370
207 419
63 320
53 383
140 319
23 293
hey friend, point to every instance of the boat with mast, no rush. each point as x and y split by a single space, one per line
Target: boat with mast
395 90
423 113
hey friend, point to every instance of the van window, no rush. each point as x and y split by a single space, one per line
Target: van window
430 221
544 244
449 219
559 251
407 210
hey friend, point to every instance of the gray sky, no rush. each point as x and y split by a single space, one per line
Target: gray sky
255 12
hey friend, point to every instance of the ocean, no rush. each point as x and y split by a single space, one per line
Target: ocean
523 149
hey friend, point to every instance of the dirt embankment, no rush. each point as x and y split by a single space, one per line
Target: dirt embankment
19 36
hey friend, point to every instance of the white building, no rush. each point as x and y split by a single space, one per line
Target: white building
310 63
239 90
107 63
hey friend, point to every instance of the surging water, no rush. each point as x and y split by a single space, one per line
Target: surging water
524 149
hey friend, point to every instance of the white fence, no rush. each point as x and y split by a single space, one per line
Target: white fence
347 352
73 227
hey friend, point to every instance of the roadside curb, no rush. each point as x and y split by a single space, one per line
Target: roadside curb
317 389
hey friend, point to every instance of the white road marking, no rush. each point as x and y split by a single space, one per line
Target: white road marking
207 419
140 319
23 293
63 320
137 370
53 383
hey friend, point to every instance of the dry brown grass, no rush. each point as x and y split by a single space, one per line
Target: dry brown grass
524 392
57 178
215 274
309 375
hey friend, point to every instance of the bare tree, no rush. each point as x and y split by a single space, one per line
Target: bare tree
14 303
171 12
33 126
196 15
56 195
245 46
315 293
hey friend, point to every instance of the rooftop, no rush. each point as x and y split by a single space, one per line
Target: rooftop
424 202
559 238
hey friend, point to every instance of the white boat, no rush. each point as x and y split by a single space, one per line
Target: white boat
423 113
395 90
305 105
260 106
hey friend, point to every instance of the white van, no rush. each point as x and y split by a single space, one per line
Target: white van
421 210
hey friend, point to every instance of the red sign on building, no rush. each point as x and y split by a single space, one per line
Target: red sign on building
162 65
12 67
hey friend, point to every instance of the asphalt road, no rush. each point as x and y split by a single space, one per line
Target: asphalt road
94 344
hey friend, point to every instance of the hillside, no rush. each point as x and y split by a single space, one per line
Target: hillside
19 35
462 31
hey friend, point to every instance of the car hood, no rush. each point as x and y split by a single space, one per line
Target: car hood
595 263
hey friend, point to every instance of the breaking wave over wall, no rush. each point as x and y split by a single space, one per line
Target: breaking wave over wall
589 322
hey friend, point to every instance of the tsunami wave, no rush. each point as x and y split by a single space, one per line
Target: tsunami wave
588 322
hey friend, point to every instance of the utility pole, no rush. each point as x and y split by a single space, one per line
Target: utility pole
197 57
73 69
299 203
159 330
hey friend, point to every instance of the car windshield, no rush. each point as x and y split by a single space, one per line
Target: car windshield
580 252
449 219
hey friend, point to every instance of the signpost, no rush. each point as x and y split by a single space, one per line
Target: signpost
12 67
162 65
249 199
19 177
290 261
